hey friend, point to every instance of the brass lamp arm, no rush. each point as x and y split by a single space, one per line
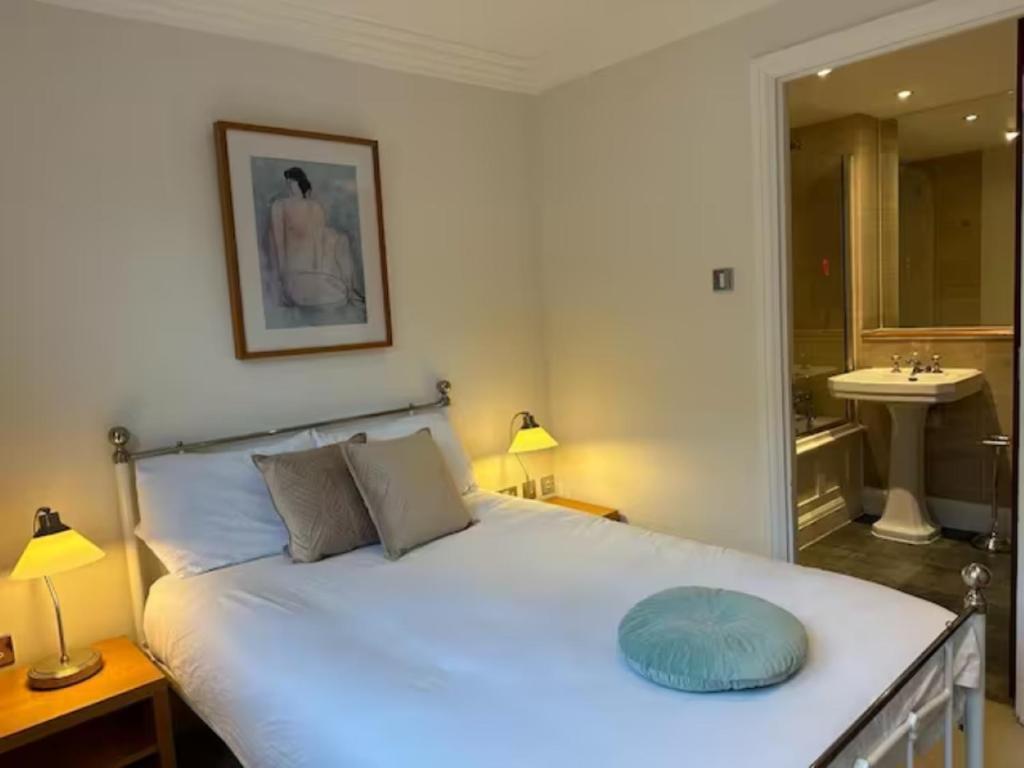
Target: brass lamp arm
64 658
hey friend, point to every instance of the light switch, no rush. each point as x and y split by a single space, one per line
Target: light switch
721 279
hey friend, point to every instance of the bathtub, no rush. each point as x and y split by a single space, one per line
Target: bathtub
829 480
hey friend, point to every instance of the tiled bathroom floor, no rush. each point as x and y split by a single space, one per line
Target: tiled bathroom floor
931 572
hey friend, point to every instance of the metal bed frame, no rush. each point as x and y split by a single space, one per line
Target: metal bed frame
976 577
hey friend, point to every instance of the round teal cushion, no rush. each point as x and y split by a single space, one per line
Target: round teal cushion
701 639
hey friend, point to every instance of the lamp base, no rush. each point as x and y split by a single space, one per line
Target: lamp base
50 673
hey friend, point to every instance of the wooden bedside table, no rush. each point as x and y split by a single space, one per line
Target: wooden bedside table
119 717
582 506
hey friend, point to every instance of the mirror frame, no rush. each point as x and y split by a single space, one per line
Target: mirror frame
991 332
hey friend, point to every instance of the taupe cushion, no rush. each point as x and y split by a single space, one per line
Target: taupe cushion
408 491
321 507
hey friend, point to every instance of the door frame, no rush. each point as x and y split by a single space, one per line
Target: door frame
769 73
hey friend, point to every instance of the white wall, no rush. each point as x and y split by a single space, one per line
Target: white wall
113 298
647 184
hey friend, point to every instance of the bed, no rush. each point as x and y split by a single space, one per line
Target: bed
497 646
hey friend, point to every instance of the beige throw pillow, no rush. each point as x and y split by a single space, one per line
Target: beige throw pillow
321 507
408 491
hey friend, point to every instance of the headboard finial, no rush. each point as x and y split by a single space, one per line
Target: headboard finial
119 437
444 387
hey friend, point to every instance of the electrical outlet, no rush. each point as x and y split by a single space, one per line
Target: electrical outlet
530 489
547 485
6 650
510 491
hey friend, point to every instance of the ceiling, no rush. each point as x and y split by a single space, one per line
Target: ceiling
518 45
943 131
967 66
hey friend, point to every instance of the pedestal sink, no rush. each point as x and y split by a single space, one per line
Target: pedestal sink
908 398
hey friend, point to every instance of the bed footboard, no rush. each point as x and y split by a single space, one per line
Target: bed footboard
942 705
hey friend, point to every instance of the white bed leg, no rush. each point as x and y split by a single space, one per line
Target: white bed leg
977 577
948 713
974 709
125 478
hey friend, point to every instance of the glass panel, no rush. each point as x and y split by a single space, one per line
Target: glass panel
819 290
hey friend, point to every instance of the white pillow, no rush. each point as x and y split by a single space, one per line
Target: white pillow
199 511
402 426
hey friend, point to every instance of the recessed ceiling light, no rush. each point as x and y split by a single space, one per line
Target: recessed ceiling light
1011 135
823 73
970 118
904 94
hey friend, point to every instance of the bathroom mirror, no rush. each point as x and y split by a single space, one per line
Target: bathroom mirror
950 173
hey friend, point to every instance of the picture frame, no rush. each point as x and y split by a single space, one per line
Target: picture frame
303 239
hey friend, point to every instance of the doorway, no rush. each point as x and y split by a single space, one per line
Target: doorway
948 314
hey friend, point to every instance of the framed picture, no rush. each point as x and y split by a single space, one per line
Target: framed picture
304 239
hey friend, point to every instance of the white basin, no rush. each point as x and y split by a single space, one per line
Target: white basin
883 385
908 398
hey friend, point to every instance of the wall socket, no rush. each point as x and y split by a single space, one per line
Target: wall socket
6 650
547 485
510 491
530 489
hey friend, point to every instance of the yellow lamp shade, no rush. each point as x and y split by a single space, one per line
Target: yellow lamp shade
532 439
53 553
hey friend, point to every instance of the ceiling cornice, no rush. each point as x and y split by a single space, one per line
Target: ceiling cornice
327 32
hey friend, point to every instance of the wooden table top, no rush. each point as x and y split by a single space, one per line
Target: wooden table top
582 506
127 676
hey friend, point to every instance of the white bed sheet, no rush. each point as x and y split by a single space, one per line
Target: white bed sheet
497 646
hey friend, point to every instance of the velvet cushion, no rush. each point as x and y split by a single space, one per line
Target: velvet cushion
315 495
702 639
408 491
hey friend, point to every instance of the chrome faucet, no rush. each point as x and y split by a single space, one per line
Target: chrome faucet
916 366
914 361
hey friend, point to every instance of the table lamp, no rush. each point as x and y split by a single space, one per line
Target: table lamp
530 437
55 548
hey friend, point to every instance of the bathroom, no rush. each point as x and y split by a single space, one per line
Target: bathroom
903 260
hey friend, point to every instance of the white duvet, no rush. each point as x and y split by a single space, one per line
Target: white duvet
497 646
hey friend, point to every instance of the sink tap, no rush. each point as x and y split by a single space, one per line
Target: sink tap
936 366
914 361
895 364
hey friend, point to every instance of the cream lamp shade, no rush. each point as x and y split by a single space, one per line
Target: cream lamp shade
55 548
531 436
532 439
54 553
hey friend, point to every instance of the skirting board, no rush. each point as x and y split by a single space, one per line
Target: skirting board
949 513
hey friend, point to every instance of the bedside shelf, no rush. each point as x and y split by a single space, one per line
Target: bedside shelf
119 718
609 513
123 738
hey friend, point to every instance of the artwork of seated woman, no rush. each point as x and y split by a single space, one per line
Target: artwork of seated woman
313 260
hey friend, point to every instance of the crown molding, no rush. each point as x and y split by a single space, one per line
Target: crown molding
296 25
